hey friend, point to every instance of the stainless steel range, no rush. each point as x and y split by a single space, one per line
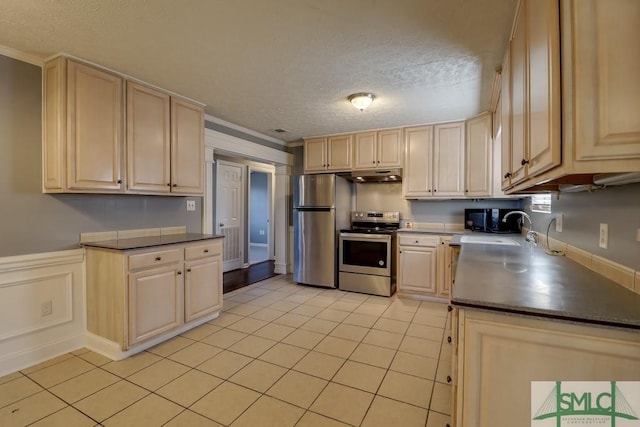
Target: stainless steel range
367 253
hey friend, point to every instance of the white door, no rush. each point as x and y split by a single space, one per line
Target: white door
229 212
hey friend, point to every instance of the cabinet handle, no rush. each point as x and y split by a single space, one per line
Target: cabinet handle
174 185
434 190
507 175
449 308
189 271
374 162
179 273
400 251
119 181
168 184
524 162
206 251
449 339
417 241
448 379
158 258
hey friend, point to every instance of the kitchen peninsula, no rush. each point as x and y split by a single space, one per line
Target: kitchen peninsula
520 315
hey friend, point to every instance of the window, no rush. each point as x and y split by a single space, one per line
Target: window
541 203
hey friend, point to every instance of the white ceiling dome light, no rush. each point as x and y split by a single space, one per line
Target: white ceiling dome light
361 100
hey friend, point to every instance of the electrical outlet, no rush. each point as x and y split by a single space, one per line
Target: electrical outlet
604 235
559 221
191 205
47 308
261 232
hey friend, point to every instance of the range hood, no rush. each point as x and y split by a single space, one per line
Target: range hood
376 175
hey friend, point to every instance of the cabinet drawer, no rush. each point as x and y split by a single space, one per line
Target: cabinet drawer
149 259
417 240
211 248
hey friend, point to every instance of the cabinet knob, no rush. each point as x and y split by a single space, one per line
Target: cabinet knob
206 251
524 162
374 162
158 258
448 379
507 175
119 181
449 339
179 273
449 308
174 185
189 271
400 251
434 190
417 241
168 184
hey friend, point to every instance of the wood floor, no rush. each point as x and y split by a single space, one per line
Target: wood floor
240 278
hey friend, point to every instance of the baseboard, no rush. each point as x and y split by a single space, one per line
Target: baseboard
113 351
280 268
23 359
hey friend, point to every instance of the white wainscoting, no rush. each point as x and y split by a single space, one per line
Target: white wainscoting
27 282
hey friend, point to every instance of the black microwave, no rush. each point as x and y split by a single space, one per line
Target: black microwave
489 220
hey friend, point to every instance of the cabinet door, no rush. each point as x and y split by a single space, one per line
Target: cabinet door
339 153
202 287
389 147
148 139
94 129
448 159
417 269
315 155
418 158
155 302
187 147
364 150
478 176
519 97
53 136
606 87
543 50
444 267
505 122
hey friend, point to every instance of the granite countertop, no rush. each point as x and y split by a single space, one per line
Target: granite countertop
523 279
150 241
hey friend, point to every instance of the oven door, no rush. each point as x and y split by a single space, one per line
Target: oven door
365 253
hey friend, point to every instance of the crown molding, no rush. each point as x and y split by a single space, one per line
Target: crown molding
239 128
21 56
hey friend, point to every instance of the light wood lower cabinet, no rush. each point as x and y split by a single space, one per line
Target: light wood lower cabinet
498 356
136 295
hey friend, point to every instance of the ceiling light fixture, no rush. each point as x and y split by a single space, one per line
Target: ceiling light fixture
361 100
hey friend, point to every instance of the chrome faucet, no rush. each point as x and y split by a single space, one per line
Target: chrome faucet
532 236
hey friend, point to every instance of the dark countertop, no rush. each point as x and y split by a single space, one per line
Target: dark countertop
523 279
147 242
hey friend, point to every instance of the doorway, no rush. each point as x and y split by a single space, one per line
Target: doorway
259 208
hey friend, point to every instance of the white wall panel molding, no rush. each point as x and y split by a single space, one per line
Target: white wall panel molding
48 259
30 332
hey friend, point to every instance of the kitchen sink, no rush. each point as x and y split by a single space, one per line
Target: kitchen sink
489 240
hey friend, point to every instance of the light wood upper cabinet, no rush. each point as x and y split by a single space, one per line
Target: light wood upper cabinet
187 147
381 149
478 171
328 154
339 153
83 132
505 122
148 139
604 79
518 67
543 86
315 155
448 159
417 181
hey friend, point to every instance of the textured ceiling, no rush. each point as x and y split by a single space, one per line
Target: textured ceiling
267 64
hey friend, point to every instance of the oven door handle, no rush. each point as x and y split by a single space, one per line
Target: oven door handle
363 236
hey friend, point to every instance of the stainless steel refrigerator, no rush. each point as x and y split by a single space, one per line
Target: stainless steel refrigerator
321 207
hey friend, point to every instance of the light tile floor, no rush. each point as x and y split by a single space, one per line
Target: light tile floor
279 355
